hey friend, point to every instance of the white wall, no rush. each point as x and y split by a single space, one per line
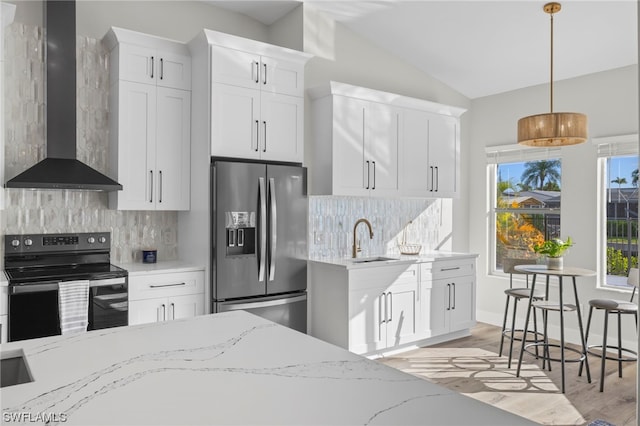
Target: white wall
177 20
610 100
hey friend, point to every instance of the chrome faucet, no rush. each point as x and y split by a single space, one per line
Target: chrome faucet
356 248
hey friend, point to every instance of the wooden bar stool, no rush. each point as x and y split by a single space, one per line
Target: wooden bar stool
618 308
517 294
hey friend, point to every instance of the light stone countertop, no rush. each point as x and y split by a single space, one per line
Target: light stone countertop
430 256
168 266
227 368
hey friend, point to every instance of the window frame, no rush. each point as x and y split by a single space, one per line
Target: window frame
512 153
608 147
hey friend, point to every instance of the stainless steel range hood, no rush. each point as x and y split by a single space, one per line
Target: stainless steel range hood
60 169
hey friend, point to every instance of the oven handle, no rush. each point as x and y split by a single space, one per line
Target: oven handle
33 288
53 285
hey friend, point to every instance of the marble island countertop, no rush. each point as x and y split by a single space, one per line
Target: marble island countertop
229 368
364 262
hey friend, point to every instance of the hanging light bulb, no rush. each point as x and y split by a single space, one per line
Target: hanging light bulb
553 128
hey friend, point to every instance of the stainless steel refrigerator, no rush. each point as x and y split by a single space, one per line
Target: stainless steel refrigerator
259 240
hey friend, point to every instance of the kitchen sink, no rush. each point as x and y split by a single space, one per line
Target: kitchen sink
14 369
373 259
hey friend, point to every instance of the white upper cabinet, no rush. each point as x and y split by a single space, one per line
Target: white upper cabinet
430 151
257 98
252 70
152 66
368 142
365 147
150 121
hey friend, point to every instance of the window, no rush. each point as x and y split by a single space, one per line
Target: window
621 228
618 208
525 202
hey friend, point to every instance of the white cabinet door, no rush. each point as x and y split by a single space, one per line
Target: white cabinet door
463 304
381 148
281 125
350 172
414 175
185 306
235 122
439 316
136 111
235 67
367 326
280 76
3 328
443 155
174 70
137 63
402 314
172 154
147 65
147 311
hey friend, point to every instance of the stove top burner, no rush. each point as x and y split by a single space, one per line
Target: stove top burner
23 276
39 258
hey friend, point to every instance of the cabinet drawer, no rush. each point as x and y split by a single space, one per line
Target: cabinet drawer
380 276
165 285
452 268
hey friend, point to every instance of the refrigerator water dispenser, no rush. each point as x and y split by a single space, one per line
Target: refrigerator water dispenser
241 233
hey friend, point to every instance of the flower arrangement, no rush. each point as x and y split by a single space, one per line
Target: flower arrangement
554 247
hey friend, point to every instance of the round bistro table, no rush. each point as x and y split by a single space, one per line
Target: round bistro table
560 307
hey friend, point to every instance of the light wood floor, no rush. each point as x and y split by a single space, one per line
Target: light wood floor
473 367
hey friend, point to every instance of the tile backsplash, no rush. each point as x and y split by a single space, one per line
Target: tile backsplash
54 211
331 221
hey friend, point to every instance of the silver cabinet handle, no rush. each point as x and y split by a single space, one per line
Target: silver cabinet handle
274 228
257 135
151 186
257 71
390 294
163 313
264 81
152 66
383 318
167 285
367 175
453 285
263 228
374 175
161 68
264 148
437 179
160 186
173 310
455 268
431 189
449 297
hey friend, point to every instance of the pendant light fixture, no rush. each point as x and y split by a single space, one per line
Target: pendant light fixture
554 128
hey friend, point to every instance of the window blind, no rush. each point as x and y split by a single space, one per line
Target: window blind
616 145
515 153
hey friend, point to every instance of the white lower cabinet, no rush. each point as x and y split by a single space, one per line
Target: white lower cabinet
380 308
4 313
165 296
450 304
165 308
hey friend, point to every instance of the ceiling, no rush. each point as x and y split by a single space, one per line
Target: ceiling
481 48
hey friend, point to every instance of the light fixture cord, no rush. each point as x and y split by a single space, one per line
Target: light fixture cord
551 83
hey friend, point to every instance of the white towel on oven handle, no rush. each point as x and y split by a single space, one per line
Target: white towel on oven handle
73 304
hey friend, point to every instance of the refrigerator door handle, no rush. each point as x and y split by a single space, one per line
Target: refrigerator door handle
274 230
265 304
263 229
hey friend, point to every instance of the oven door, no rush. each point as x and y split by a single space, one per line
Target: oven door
108 303
33 311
